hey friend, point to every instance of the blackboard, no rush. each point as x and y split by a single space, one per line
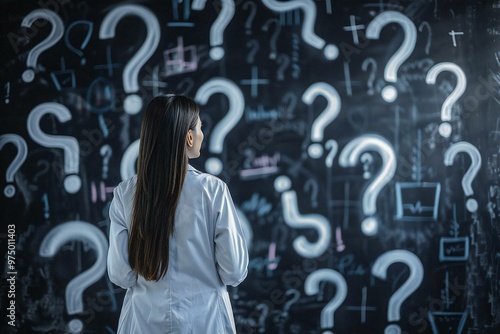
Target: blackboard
359 140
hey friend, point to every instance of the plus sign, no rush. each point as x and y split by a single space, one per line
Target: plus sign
453 34
254 82
362 308
354 28
108 64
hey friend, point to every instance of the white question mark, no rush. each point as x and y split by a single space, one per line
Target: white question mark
254 44
445 127
22 153
253 9
84 232
288 304
55 35
128 162
275 35
293 218
106 152
429 37
389 93
217 30
331 52
133 103
311 287
284 60
350 156
78 51
236 109
72 183
367 62
262 318
379 270
475 165
326 117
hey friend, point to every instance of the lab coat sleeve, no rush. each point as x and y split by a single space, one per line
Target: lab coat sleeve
231 252
119 270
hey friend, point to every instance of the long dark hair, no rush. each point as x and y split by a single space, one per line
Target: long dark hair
161 170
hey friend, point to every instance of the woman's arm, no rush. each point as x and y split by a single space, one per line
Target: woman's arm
119 270
230 246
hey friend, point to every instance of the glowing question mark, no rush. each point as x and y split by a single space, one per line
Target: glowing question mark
293 218
389 93
55 35
350 156
330 51
90 28
275 35
236 109
367 62
333 146
445 127
72 183
133 103
128 162
284 60
22 153
253 10
379 269
288 304
264 311
84 232
312 185
326 117
311 287
217 30
106 152
254 44
429 37
475 166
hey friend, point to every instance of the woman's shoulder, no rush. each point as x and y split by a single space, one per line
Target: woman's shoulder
205 179
127 184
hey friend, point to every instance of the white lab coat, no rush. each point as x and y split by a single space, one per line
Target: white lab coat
207 252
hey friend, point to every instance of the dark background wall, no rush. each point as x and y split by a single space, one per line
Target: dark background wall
372 226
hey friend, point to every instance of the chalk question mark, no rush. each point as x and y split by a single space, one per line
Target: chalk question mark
389 92
133 103
371 79
253 10
445 127
350 156
264 311
254 45
55 35
326 117
22 152
274 36
89 28
294 219
475 166
72 183
236 108
288 304
106 152
311 287
284 61
217 30
84 232
379 269
330 51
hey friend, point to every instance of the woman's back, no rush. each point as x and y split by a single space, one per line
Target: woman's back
207 251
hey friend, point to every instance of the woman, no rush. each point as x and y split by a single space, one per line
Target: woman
175 241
